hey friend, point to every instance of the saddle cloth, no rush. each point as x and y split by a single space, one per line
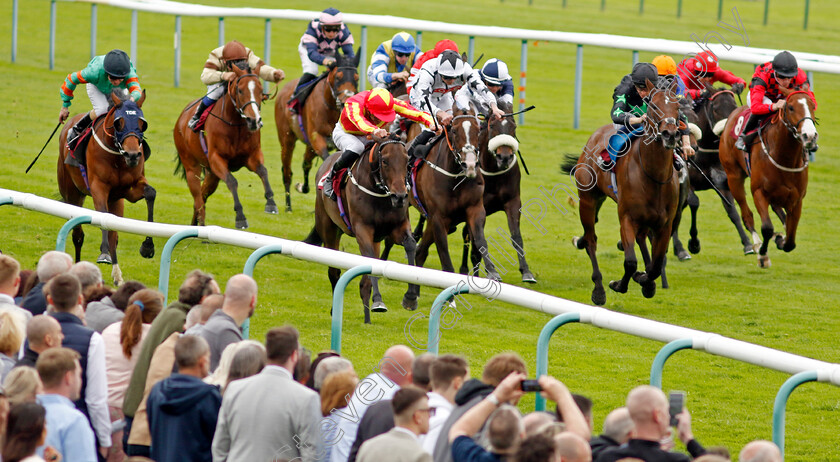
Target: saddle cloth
203 118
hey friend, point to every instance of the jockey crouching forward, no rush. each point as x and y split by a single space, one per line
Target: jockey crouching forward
102 75
363 115
496 77
629 113
392 61
218 70
440 83
703 69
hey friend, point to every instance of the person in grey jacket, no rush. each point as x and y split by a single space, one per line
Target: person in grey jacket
110 310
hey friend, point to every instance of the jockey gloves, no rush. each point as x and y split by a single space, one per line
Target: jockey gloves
117 64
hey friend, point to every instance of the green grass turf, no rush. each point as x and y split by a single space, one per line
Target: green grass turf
790 306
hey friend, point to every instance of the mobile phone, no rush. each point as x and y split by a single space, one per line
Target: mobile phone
530 385
676 403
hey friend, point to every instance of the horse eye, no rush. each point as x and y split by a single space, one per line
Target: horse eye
143 125
339 75
119 123
385 162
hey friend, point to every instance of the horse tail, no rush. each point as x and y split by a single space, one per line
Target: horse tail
569 163
179 167
313 238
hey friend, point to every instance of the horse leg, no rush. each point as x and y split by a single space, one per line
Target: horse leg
423 250
788 242
512 211
100 194
287 147
628 236
409 301
780 212
220 169
588 207
465 234
308 155
762 207
193 178
270 205
418 230
142 190
693 242
736 187
386 248
656 267
117 208
74 197
732 213
475 220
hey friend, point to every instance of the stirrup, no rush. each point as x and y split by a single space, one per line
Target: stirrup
193 123
741 144
605 165
328 189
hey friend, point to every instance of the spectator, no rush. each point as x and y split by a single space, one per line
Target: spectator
717 458
89 275
12 329
25 431
760 451
199 314
328 366
585 406
411 410
28 279
182 410
96 294
42 333
475 390
447 375
312 368
222 375
65 296
720 451
110 309
536 448
249 359
395 372
4 415
617 429
302 366
335 395
420 375
50 264
648 409
9 285
270 416
223 328
68 430
542 422
572 448
195 288
22 385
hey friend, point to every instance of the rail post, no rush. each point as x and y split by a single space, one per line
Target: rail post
166 258
133 46
578 85
177 51
436 312
61 240
664 353
781 403
52 34
523 69
93 11
221 31
338 303
250 264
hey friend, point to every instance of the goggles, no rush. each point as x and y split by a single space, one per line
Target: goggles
332 28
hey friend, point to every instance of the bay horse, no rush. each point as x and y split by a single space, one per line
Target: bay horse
318 116
374 203
114 170
231 141
647 186
502 175
779 165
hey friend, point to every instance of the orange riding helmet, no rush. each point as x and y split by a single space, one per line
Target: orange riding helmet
665 65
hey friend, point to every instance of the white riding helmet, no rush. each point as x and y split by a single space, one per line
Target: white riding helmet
495 72
451 64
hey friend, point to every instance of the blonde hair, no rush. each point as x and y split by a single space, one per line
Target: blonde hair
336 390
22 385
12 331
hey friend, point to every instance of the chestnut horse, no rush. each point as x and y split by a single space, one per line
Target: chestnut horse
115 170
232 139
647 198
374 202
318 115
779 165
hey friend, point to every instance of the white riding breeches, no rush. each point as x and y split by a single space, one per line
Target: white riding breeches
98 100
215 91
309 66
347 141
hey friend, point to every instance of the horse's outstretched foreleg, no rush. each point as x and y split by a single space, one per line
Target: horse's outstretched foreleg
117 208
287 146
762 206
693 242
465 234
476 220
368 248
233 186
628 238
736 187
78 240
588 207
653 270
732 213
100 194
788 242
308 156
409 301
270 205
512 211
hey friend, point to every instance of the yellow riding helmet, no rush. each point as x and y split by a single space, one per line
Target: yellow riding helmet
665 65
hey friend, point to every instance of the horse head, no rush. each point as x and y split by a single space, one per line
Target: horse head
344 78
798 117
129 126
501 133
389 162
245 92
663 111
721 103
461 134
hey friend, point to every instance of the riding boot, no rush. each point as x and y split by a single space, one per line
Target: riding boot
745 140
304 79
193 123
344 161
78 129
419 147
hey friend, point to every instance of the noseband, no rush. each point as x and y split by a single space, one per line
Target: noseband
235 84
466 147
794 128
119 137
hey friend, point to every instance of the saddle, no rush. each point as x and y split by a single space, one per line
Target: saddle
742 122
299 98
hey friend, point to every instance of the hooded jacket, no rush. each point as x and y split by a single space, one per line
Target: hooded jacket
470 394
182 411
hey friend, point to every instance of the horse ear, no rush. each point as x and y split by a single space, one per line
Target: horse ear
358 57
649 85
464 56
115 99
142 98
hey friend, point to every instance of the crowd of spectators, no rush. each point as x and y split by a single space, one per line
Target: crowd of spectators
94 374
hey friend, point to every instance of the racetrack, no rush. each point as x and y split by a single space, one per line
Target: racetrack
790 306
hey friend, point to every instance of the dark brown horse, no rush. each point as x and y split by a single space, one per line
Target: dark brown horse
115 170
501 173
318 116
779 165
647 197
374 202
232 138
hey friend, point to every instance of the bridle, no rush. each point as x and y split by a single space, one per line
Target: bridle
334 86
659 124
513 144
467 147
235 84
794 128
378 179
118 137
708 109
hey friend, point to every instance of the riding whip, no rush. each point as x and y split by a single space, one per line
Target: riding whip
477 60
522 159
519 112
710 182
431 111
42 149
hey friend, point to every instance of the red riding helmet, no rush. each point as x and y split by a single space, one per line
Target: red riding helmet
380 104
705 63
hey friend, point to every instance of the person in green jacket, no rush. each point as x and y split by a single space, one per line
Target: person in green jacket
102 75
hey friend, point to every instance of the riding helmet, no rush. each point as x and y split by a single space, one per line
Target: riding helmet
380 103
117 64
494 72
451 64
642 72
234 51
331 17
785 65
665 65
705 63
403 42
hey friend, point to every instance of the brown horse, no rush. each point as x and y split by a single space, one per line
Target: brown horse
115 170
319 114
647 196
232 134
374 203
779 165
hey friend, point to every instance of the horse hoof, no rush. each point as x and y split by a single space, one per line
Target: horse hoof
617 287
529 278
272 209
409 303
683 256
599 297
649 289
780 241
694 246
576 242
620 246
764 261
463 270
305 189
147 248
242 224
748 249
494 276
640 277
789 246
104 258
288 209
379 307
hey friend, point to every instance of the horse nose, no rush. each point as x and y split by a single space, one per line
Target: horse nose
398 200
669 138
132 159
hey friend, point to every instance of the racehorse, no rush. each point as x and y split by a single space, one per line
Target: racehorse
231 141
779 165
374 206
114 170
647 187
501 173
317 119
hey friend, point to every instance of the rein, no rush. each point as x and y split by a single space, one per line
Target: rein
378 179
793 129
240 110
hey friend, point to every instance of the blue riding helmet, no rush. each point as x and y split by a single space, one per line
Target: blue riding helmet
403 42
494 72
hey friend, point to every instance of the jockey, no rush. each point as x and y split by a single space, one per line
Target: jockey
629 113
392 60
365 114
703 69
102 75
439 48
495 75
319 44
667 67
765 97
442 82
218 70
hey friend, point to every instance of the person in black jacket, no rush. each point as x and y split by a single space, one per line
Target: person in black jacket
617 428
